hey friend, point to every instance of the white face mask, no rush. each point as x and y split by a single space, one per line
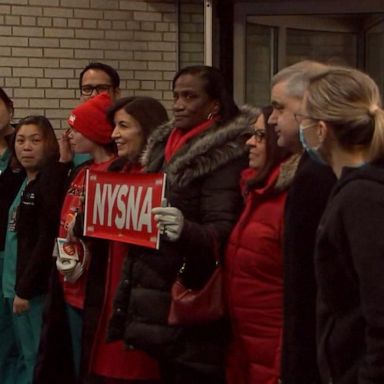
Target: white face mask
313 152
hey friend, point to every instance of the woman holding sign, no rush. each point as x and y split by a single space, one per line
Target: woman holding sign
202 151
133 119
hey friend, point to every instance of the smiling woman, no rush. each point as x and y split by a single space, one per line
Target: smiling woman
254 261
133 119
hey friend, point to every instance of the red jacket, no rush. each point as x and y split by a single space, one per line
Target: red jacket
74 292
254 284
115 360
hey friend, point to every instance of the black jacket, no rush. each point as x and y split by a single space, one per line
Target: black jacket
37 221
203 182
10 183
55 354
55 362
305 204
349 269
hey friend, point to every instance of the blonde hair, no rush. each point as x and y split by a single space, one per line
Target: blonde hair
350 101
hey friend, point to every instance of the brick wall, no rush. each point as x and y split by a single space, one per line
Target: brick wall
191 32
44 44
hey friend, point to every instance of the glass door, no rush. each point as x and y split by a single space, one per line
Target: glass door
374 52
265 43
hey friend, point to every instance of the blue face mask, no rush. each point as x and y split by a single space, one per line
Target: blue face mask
312 152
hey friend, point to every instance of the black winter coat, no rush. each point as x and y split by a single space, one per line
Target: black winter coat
349 269
55 354
203 182
305 204
37 221
55 362
10 183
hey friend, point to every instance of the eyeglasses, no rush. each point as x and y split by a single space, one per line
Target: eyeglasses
259 135
87 90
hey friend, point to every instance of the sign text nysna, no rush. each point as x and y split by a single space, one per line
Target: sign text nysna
118 206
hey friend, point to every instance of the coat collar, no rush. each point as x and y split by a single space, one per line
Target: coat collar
279 179
204 154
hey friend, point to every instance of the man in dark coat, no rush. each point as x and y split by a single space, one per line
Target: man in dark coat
305 204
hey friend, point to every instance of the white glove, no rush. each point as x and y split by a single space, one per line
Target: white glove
170 222
71 268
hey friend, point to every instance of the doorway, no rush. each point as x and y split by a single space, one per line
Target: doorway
266 41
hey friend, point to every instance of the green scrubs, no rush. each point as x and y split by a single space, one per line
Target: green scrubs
26 326
75 319
4 158
11 363
8 349
12 366
80 158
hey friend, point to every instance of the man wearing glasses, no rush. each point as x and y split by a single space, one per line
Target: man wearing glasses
98 78
94 79
305 204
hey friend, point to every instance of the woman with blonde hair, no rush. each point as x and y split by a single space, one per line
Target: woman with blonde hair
342 124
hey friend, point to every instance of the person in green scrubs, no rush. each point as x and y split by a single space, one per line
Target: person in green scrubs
11 177
33 219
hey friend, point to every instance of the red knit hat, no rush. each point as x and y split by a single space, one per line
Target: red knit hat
90 119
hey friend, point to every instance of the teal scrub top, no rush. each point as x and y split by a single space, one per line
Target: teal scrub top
10 248
4 158
80 158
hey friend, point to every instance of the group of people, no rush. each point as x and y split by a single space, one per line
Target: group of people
288 199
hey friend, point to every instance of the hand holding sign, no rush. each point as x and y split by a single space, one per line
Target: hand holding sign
119 206
170 221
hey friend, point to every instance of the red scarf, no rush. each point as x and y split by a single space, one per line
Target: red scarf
178 138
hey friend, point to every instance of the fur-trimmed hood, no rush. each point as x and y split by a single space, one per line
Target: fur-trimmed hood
202 155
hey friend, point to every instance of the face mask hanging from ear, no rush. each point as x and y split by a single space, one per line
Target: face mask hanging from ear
312 152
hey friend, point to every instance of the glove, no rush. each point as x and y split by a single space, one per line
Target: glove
73 267
69 268
170 222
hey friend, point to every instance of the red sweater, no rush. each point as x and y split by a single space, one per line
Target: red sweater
74 292
114 360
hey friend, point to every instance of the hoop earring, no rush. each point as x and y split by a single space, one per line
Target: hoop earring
210 116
